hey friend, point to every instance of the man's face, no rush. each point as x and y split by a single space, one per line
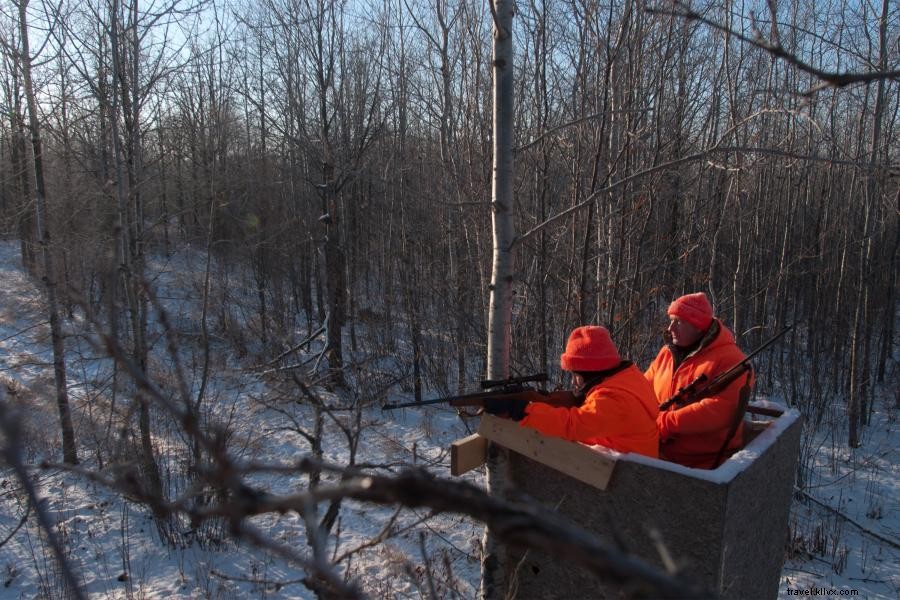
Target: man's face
577 381
683 333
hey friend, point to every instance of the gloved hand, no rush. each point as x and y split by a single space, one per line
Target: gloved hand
512 408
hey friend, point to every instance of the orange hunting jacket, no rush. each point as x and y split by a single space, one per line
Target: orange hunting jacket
692 435
619 413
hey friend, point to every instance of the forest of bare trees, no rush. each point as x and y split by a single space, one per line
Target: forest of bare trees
335 160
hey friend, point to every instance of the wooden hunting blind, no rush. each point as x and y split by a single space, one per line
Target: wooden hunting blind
725 529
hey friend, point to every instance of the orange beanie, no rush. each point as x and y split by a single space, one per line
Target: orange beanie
694 309
590 349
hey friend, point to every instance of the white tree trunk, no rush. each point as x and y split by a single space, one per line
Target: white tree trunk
500 315
500 311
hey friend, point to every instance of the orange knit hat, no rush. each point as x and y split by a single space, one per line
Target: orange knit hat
590 349
694 309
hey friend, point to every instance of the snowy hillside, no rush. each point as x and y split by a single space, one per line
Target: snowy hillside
845 533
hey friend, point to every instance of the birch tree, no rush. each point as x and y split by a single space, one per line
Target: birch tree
501 298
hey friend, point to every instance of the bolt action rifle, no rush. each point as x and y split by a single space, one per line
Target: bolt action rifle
514 388
701 387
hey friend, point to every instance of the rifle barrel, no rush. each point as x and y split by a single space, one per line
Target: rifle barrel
447 400
393 405
768 343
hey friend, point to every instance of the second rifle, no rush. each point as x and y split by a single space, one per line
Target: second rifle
702 388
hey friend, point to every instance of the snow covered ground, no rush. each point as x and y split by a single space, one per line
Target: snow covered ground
844 534
845 531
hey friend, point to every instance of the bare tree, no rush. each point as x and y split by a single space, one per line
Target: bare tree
20 180
860 361
502 278
516 523
773 45
70 452
335 164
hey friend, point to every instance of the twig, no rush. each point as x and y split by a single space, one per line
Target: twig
578 121
891 542
296 347
11 427
429 574
255 580
444 539
775 48
522 525
322 570
385 533
868 580
663 551
21 331
19 526
804 571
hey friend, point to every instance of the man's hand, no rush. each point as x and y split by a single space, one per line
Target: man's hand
512 408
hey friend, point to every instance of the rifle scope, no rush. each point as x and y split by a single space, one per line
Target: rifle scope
491 383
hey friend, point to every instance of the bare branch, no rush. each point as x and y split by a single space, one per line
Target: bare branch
22 522
515 524
716 148
584 119
10 425
774 47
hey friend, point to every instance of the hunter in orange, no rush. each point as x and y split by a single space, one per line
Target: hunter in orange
619 409
696 435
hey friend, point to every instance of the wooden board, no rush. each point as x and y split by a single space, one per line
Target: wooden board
575 460
467 454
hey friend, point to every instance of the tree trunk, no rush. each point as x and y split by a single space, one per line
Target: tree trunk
858 378
25 221
129 224
70 454
493 575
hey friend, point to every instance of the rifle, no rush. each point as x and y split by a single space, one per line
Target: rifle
699 389
506 389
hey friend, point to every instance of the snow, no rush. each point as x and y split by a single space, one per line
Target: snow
117 549
734 465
